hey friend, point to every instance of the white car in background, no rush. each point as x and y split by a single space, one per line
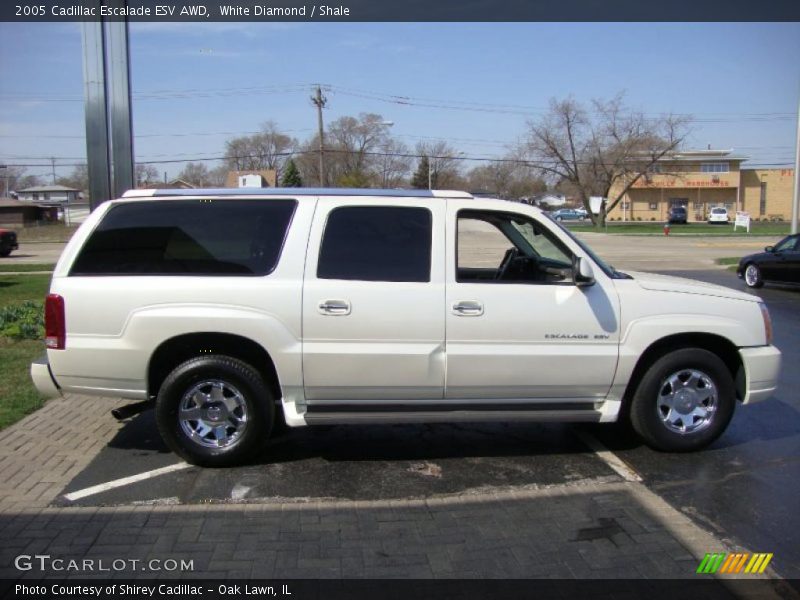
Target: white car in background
718 214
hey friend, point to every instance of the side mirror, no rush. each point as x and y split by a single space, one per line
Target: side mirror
769 249
582 273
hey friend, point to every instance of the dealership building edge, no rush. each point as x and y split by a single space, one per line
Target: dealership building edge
703 179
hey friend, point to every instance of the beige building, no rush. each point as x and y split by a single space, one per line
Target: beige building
703 179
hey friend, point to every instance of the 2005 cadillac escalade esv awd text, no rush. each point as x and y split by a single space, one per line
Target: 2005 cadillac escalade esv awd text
234 309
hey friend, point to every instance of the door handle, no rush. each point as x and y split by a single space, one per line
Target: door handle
468 308
334 307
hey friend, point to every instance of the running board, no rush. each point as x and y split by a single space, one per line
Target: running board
352 413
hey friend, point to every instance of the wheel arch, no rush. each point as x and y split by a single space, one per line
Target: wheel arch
178 349
716 344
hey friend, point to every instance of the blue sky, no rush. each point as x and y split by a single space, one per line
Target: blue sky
740 81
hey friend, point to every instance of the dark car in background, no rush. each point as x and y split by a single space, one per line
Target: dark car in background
677 214
8 242
779 264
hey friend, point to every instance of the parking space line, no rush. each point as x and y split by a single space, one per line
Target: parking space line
110 485
608 457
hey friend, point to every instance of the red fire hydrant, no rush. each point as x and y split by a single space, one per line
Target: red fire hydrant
666 228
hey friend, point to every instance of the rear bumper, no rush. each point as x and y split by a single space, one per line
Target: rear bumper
43 378
761 368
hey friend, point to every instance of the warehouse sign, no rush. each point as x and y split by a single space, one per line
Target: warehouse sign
684 183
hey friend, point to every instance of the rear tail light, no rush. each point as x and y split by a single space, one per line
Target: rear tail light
55 326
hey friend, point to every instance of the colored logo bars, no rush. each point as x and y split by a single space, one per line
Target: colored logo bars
722 562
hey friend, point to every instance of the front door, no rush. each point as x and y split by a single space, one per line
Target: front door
517 325
373 326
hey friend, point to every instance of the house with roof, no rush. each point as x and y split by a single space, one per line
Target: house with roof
53 195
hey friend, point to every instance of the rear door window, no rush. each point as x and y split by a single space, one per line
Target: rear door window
187 237
377 243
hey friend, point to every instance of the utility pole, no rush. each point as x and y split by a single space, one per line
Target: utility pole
53 164
796 201
320 101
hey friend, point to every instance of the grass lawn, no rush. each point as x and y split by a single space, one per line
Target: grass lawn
16 288
46 233
18 397
10 267
657 228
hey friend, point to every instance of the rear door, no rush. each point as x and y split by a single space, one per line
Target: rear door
373 325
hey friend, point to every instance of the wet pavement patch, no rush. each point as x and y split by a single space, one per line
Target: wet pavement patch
347 463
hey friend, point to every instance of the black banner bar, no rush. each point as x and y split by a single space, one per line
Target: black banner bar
403 10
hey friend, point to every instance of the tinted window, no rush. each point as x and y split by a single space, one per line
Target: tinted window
187 237
376 243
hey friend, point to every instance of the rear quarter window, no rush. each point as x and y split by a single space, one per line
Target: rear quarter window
187 237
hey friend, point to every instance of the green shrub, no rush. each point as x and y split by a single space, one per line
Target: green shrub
22 321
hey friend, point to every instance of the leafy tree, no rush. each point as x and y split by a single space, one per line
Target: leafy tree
589 152
291 176
420 178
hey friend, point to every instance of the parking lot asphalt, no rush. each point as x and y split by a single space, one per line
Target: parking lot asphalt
747 484
744 488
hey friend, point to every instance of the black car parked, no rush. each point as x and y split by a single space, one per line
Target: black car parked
779 263
677 214
8 242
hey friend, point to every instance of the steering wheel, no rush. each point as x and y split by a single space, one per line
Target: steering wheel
508 259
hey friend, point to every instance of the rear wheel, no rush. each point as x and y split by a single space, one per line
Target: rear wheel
752 276
4 253
684 401
214 411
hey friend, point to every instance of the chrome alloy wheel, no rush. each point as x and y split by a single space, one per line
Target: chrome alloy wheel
213 413
751 275
687 401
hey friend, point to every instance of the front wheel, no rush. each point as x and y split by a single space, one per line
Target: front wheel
214 411
752 276
684 401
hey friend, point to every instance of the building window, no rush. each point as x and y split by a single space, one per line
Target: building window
715 167
653 205
654 169
762 205
698 205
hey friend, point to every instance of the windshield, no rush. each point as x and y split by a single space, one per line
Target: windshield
607 269
718 211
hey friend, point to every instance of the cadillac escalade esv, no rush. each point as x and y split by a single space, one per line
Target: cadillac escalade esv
234 309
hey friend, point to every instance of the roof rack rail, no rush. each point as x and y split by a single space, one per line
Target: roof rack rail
297 192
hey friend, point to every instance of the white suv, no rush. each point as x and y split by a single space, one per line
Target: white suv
235 308
718 214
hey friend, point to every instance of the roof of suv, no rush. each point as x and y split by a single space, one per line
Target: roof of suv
296 192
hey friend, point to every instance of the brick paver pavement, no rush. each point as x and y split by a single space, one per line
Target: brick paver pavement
591 529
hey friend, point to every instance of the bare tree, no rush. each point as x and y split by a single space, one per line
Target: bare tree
77 179
594 152
196 173
267 149
145 174
392 163
508 178
356 140
444 164
16 178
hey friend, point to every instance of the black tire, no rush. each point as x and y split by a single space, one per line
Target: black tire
252 398
4 253
646 414
754 278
